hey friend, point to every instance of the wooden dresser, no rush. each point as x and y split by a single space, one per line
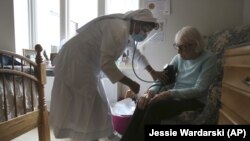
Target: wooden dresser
235 99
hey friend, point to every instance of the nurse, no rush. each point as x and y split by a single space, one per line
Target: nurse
79 108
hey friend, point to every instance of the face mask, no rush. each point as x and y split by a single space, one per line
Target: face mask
140 36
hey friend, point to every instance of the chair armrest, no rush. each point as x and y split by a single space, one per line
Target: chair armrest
210 113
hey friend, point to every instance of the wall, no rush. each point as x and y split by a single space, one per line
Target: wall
206 15
246 12
7 35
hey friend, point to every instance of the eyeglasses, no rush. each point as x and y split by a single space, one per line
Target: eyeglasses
146 29
183 47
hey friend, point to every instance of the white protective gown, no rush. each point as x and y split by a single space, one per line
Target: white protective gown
79 107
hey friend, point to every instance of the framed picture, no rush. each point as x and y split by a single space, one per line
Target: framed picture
29 53
52 56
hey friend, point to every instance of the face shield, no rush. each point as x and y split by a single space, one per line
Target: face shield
145 16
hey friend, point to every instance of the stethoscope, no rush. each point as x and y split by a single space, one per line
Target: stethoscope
133 68
147 81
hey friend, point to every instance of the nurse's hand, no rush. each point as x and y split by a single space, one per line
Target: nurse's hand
160 75
157 75
134 86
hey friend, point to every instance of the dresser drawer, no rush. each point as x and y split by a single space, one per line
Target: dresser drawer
237 77
242 60
237 101
225 119
227 116
237 56
235 97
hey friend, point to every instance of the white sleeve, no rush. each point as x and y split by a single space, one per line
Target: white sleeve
112 45
109 67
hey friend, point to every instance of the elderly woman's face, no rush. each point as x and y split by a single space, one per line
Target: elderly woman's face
186 50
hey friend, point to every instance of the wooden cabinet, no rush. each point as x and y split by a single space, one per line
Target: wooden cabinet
235 99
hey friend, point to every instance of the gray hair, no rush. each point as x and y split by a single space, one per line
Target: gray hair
189 34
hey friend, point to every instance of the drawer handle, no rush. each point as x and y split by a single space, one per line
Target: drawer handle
247 80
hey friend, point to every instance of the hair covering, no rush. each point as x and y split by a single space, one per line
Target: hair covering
144 15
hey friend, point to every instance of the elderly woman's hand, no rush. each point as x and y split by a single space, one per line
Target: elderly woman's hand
143 101
161 96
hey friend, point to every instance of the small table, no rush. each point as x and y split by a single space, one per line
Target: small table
49 85
50 71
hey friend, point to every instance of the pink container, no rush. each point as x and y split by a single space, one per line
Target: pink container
120 123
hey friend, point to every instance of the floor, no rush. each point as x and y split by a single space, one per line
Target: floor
33 136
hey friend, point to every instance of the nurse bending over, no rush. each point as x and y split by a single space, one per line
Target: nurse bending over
79 108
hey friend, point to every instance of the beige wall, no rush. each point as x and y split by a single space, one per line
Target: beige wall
206 15
246 12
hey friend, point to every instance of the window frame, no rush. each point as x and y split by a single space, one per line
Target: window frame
64 19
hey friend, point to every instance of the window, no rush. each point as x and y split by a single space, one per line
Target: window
48 22
81 12
21 25
120 6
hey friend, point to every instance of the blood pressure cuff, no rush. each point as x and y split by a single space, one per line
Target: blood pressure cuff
158 87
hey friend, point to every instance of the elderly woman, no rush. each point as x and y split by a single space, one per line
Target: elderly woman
79 107
196 69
